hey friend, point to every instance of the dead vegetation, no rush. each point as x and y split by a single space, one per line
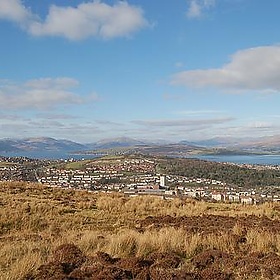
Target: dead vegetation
49 233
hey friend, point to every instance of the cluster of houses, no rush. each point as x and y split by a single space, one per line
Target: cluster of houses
136 177
210 190
223 196
20 168
255 166
15 172
7 171
102 175
242 197
76 178
230 195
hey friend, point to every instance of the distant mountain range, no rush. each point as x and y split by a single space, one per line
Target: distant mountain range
261 143
116 143
266 144
270 144
39 144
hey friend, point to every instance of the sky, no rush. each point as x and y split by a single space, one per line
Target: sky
146 69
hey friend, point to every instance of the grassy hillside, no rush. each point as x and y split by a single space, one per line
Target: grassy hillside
51 233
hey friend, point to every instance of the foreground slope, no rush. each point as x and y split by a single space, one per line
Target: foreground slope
51 233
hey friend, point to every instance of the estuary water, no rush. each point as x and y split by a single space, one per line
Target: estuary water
242 159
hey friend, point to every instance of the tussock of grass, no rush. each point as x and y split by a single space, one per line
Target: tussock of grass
132 243
262 241
22 266
224 242
122 245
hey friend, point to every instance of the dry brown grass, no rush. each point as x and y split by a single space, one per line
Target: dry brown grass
34 220
262 241
145 205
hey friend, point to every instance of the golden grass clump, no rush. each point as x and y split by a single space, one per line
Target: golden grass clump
262 240
22 266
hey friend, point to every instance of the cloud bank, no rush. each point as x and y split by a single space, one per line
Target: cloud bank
255 69
89 19
38 94
183 122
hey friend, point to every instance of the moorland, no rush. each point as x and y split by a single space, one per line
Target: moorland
55 233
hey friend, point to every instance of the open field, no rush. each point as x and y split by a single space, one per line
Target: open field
51 233
5 164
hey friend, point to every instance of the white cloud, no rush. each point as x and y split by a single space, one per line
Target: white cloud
57 83
253 129
254 69
197 7
38 94
194 10
260 125
14 10
75 23
23 128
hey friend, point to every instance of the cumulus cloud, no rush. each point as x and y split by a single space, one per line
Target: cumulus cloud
197 7
14 10
254 69
39 94
75 23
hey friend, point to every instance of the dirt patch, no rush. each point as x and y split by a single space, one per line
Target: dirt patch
220 265
165 260
135 265
70 256
51 271
208 257
207 224
104 258
258 265
217 274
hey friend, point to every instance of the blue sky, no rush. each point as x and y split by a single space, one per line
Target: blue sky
149 69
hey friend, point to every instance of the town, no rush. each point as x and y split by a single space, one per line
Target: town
133 176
